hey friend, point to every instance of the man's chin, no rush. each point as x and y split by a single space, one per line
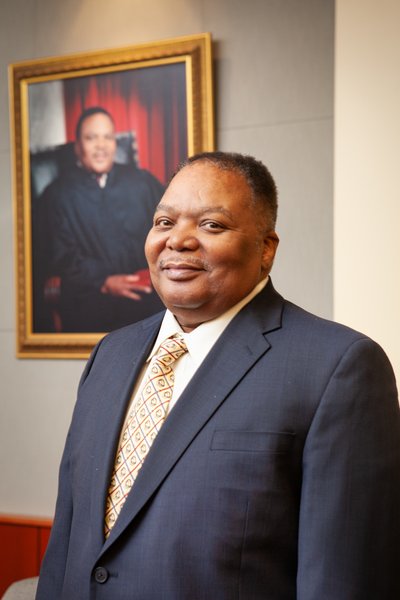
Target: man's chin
99 168
182 303
187 304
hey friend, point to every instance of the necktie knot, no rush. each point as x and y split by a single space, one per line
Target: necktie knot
171 349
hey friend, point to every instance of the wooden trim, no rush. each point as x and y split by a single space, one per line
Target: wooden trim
25 521
23 544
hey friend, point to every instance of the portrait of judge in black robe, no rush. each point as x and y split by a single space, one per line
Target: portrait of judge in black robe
89 230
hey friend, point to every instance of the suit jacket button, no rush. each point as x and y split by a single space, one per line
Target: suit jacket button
100 574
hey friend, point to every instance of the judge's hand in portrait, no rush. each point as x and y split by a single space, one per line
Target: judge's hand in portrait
90 227
233 445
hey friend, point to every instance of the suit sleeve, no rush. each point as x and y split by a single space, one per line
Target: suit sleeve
54 563
55 560
349 532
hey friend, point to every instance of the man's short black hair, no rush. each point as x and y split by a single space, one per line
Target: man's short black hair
89 112
256 174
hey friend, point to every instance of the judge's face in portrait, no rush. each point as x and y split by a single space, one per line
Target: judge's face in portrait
96 145
210 244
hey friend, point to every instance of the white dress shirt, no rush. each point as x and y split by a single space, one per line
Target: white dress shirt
199 342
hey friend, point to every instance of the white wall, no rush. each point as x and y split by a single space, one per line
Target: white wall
274 75
367 152
47 123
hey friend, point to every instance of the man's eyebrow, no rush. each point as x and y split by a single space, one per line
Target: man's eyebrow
207 209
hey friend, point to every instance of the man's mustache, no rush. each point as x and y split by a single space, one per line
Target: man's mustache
188 261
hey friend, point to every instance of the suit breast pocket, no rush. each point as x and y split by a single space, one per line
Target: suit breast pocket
252 486
268 442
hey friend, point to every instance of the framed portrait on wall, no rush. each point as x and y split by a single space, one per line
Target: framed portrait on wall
96 138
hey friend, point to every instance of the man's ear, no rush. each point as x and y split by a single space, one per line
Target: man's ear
271 241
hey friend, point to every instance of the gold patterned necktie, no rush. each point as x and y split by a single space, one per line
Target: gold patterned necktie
142 425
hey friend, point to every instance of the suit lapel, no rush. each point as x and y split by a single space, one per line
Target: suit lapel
238 349
115 397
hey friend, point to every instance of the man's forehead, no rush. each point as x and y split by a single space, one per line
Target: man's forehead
172 209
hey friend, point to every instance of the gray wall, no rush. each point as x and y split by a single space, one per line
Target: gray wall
274 96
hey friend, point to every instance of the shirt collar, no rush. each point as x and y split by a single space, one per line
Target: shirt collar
200 341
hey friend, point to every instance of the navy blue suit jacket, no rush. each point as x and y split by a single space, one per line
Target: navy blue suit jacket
276 475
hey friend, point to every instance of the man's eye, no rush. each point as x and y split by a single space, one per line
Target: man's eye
212 226
162 222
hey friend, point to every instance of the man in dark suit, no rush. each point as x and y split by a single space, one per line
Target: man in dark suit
276 474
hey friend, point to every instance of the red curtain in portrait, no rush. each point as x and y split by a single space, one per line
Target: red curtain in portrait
149 101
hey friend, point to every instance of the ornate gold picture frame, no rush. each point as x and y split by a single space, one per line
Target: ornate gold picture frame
160 96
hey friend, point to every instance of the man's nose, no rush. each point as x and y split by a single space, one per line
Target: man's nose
183 237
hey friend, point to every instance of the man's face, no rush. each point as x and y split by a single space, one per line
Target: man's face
96 146
208 247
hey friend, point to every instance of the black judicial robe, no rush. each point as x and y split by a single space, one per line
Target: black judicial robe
94 232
